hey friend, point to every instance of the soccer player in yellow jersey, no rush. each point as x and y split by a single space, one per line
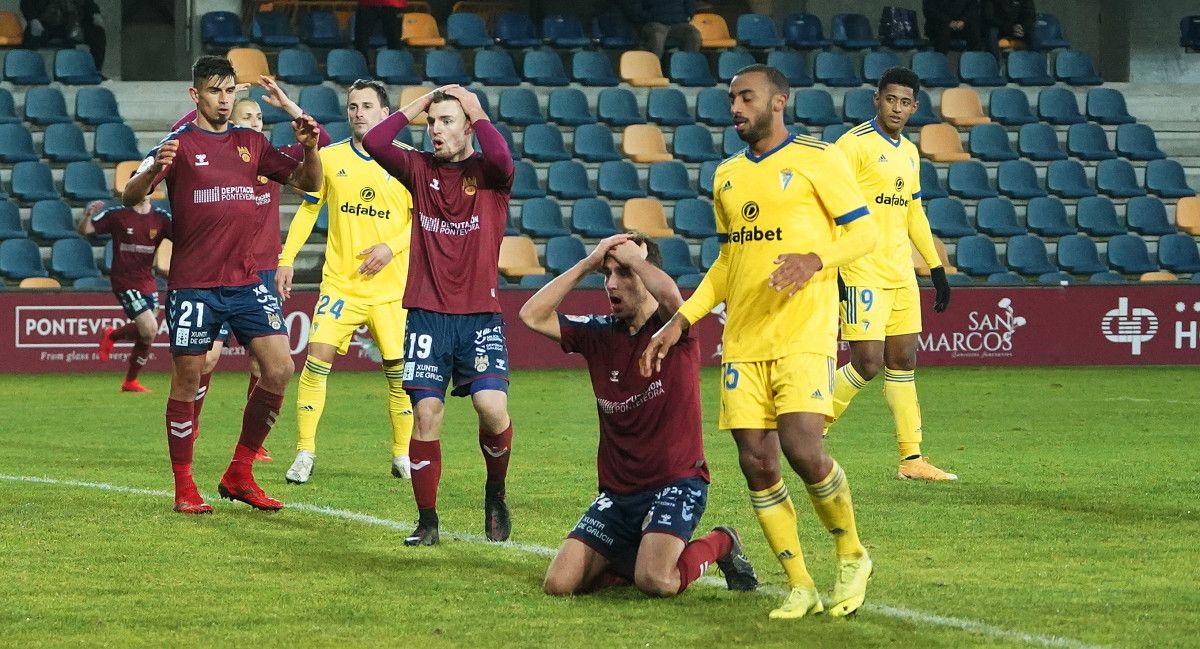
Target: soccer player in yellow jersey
778 206
366 268
881 309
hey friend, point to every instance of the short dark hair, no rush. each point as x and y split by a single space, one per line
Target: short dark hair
209 66
900 76
377 86
653 253
439 96
775 78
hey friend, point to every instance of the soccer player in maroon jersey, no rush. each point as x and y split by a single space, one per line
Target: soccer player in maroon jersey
211 170
454 329
136 232
651 465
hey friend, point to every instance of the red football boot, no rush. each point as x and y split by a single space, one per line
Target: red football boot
133 386
247 491
106 343
262 455
189 501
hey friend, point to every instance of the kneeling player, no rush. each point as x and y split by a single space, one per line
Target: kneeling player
652 471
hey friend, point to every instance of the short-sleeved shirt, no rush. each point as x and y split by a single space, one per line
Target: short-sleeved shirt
650 428
217 204
135 237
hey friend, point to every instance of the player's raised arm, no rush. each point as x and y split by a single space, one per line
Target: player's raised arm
307 175
491 144
150 173
378 141
275 96
539 313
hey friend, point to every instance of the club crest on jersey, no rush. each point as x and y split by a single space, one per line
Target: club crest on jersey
481 363
201 160
153 232
785 177
244 154
468 185
262 180
274 320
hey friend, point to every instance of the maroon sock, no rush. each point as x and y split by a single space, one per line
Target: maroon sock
201 392
426 463
701 553
250 387
496 451
137 360
261 410
180 440
127 331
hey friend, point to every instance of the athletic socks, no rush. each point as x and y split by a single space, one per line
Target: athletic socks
847 384
426 462
127 331
777 517
700 554
900 391
831 498
261 411
180 442
310 402
201 392
496 451
400 411
137 359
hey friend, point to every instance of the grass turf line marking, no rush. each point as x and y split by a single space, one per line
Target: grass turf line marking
1143 400
895 612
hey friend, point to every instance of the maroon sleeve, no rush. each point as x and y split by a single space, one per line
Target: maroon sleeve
184 120
496 156
102 221
323 138
276 164
378 143
577 333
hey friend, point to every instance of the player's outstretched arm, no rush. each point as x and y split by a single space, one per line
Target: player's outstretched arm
307 175
140 184
659 284
540 312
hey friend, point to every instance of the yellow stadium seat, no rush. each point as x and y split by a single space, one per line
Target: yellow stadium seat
1159 276
644 143
39 282
941 143
125 171
410 94
646 215
962 107
11 34
518 257
714 31
1187 215
421 30
249 64
642 69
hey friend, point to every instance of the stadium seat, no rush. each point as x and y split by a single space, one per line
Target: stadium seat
518 257
1096 216
876 63
793 65
617 107
696 69
961 107
296 65
1137 142
11 31
757 31
1147 216
592 218
691 280
270 114
344 66
968 179
421 30
835 69
1047 217
222 29
1027 68
1178 254
1010 107
320 28
16 144
1075 68
709 169
10 221
1088 142
106 259
1048 33
544 68
594 143
50 220
852 32
1058 106
941 143
25 68
525 181
1127 254
46 106
710 249
712 107
832 132
989 142
1077 254
858 105
694 143
1039 142
931 185
996 217
980 69
85 181
568 180
676 256
668 107
1018 179
492 68
544 143
21 259
125 170
445 66
515 30
32 182
714 31
1158 276
519 107
933 70
563 252
282 135
642 69
249 63
925 114
613 32
693 218
1189 33
1166 178
1066 179
272 29
589 68
71 259
618 180
646 215
644 143
8 107
1026 254
75 68
731 144
408 95
947 218
64 143
1107 277
804 32
468 30
1187 215
814 107
1107 106
564 30
541 218
396 67
97 284
568 107
39 283
669 181
975 255
1117 179
321 103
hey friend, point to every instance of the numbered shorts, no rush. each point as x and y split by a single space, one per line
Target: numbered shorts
754 394
135 302
195 316
876 313
336 319
267 277
469 349
614 524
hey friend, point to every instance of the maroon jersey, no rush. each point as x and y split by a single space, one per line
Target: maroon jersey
135 237
459 214
650 428
217 210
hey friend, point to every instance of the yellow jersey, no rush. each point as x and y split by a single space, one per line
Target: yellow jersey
889 173
366 206
789 200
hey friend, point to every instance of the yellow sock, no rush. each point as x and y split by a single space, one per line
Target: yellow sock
777 516
399 410
846 385
310 402
831 498
900 390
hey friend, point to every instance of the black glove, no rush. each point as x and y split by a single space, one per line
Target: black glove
841 289
941 289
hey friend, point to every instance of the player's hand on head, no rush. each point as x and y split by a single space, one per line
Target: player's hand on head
596 258
628 252
283 281
374 259
794 271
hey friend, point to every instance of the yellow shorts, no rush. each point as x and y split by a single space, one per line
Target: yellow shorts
754 394
335 319
876 313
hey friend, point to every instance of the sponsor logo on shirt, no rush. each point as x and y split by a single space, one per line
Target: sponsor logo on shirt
436 185
894 199
133 247
441 226
201 160
364 210
222 194
746 235
655 390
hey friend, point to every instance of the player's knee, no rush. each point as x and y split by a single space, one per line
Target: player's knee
656 585
759 468
557 584
868 366
276 374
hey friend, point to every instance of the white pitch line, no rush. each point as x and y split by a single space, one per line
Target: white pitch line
896 612
1144 400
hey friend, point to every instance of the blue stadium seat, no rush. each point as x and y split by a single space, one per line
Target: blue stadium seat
693 217
618 180
925 113
1039 142
568 180
282 135
1107 106
1137 142
16 144
804 32
71 259
468 30
832 132
1075 68
689 281
996 217
544 143
858 105
445 66
396 67
712 107
592 218
45 106
934 70
1018 179
1097 216
1056 278
32 182
568 107
1108 277
676 256
508 139
617 107
980 69
1058 106
1048 33
298 66
976 256
1010 107
1066 179
1027 68
321 103
728 64
270 114
757 31
64 143
1147 216
694 143
668 106
320 28
1127 254
541 218
814 107
1166 178
97 284
544 68
594 143
519 107
947 218
707 171
85 181
516 30
1178 254
8 108
10 221
931 184
21 259
1117 179
75 68
852 32
525 181
345 66
494 68
25 68
669 181
50 220
793 65
564 30
1088 142
1047 216
1077 254
731 144
1189 33
222 29
1027 255
968 179
340 130
989 142
273 29
564 252
1006 278
710 249
590 68
613 32
837 70
876 63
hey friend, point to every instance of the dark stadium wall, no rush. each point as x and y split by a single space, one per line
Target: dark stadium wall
1154 52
